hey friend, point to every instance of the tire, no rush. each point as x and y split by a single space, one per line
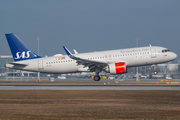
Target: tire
97 78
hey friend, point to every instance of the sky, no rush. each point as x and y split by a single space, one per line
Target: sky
90 25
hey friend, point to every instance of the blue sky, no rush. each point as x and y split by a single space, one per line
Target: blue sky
90 25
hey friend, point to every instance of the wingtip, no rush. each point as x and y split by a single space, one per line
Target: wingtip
67 51
9 33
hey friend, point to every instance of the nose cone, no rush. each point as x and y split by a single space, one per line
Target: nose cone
174 56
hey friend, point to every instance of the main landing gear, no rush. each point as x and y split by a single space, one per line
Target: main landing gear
97 78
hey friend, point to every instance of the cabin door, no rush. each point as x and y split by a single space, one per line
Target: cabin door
153 52
40 64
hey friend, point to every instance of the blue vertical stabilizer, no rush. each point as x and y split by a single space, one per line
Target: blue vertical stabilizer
19 49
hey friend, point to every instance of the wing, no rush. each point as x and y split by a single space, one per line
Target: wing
94 66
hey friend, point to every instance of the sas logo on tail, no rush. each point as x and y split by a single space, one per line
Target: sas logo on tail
22 55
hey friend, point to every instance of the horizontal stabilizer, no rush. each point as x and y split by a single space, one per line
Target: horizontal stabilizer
15 65
19 64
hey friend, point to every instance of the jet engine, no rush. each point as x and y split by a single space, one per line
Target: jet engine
116 68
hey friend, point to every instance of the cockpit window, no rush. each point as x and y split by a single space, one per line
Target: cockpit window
163 51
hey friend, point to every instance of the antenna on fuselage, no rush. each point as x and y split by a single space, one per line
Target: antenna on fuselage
149 45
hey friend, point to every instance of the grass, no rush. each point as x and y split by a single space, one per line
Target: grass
89 105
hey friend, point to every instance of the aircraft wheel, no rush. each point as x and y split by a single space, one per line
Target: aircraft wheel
97 78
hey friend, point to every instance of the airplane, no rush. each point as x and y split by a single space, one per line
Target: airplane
111 61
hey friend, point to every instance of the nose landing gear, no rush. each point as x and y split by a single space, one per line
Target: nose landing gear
154 71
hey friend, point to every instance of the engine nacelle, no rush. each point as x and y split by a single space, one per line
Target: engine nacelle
116 68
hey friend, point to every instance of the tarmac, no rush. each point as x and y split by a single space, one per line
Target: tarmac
89 87
89 84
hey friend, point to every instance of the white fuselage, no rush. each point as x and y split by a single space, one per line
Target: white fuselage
63 64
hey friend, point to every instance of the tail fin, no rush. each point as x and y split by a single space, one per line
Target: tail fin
19 49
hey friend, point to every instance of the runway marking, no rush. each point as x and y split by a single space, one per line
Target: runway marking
172 83
77 87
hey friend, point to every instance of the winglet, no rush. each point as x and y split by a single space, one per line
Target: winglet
75 52
67 51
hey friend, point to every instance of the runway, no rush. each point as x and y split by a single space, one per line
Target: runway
90 87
